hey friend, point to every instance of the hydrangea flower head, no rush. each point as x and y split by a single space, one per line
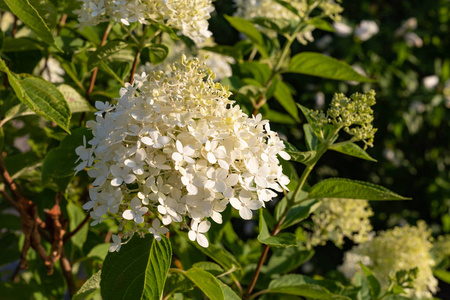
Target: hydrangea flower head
189 16
175 148
402 248
336 219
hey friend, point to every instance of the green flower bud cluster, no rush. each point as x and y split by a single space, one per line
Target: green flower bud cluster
354 115
441 248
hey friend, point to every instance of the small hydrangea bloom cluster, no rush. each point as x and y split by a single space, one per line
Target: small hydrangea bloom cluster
189 16
336 219
402 248
441 248
354 115
218 63
174 147
271 9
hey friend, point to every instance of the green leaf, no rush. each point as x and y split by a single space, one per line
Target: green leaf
138 270
76 216
60 161
310 137
316 129
91 285
20 44
220 256
282 26
285 239
321 24
296 213
284 260
442 275
26 12
99 251
303 157
351 189
374 284
102 53
46 10
352 150
250 31
255 70
228 292
300 285
284 97
210 267
41 96
206 282
316 64
77 103
157 53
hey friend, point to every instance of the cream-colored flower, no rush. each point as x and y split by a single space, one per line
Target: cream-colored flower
175 145
401 248
336 219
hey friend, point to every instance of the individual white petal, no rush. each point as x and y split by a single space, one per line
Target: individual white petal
128 214
166 219
192 235
284 155
130 178
135 203
130 163
211 158
156 223
254 205
143 210
236 203
179 146
162 210
189 150
164 140
202 240
116 181
217 217
245 213
204 226
163 230
177 156
139 219
146 140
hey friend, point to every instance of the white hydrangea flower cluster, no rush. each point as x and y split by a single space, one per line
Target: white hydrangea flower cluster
271 9
189 16
402 248
174 147
336 219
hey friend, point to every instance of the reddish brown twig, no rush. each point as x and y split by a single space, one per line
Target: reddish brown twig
67 272
78 228
135 63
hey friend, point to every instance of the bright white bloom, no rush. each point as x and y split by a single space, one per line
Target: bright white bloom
336 219
342 29
366 29
402 248
177 149
136 212
157 230
430 82
271 9
413 40
117 243
188 16
197 232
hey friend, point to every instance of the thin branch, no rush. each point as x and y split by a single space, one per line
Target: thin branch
9 199
135 63
94 73
67 272
78 228
12 186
